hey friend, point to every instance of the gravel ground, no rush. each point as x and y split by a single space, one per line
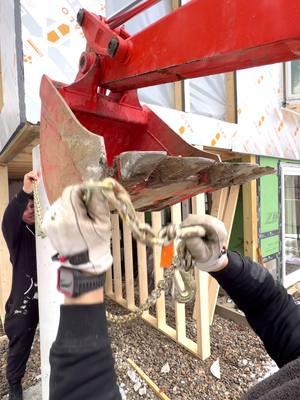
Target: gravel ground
33 372
243 361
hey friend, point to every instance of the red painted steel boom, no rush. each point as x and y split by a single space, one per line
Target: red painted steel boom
203 37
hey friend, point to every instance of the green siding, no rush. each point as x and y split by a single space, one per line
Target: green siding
269 204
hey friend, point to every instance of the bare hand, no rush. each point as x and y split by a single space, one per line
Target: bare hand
29 178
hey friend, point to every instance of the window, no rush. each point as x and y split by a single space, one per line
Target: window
293 81
290 201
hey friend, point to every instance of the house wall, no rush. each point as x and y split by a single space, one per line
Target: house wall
265 127
270 210
52 44
11 96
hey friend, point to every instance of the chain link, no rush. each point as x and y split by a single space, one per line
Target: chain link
178 278
38 210
162 285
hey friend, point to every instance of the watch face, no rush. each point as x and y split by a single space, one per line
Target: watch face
65 282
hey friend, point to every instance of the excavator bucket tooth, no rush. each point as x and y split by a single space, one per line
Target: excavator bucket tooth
155 165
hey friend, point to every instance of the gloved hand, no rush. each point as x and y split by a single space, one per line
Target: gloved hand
207 250
75 227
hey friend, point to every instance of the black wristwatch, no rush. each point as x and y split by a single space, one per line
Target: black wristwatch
72 282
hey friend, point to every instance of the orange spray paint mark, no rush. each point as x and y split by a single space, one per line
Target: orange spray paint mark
167 254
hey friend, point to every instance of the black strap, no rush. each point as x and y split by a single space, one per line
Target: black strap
87 284
76 259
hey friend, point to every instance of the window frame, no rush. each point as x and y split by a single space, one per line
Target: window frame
290 97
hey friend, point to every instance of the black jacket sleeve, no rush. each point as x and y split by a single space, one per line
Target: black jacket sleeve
270 311
81 360
12 219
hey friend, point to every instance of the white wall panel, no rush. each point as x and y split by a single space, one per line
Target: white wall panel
265 128
10 115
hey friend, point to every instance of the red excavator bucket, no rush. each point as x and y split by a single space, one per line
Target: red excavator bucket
96 126
80 140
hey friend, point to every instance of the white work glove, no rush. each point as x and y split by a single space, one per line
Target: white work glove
208 250
74 227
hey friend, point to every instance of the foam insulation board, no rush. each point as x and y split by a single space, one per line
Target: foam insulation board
52 44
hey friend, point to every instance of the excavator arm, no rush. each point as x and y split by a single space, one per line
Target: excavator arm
203 37
96 126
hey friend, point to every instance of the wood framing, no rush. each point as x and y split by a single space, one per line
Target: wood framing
6 270
230 87
223 208
250 215
224 204
201 310
178 86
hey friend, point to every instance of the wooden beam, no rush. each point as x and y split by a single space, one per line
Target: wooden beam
142 264
116 251
179 307
158 273
158 392
201 309
25 136
250 215
230 88
227 201
129 278
231 315
6 270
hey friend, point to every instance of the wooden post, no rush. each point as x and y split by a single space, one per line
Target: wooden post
225 210
230 87
250 215
116 250
142 265
201 309
158 273
179 307
6 270
129 278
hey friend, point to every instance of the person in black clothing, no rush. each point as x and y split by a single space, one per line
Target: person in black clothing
21 308
81 358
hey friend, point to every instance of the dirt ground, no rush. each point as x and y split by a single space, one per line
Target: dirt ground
243 361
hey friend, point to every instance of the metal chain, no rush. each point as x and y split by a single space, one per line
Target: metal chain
162 285
38 210
179 277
